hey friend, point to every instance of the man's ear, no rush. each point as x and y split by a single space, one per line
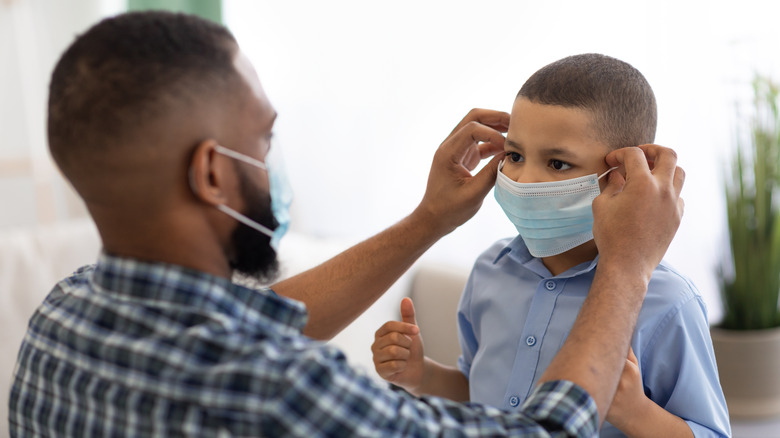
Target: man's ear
207 173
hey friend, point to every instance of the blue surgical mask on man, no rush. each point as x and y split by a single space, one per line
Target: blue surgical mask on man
551 217
280 191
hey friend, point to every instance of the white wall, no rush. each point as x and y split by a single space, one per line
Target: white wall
366 91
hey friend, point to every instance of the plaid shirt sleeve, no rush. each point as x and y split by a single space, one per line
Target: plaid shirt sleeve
203 358
327 398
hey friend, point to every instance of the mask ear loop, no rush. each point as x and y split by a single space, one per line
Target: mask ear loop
245 220
224 208
605 173
240 157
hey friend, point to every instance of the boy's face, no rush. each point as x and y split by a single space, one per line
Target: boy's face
551 143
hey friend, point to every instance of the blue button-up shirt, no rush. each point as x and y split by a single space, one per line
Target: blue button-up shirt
514 317
127 348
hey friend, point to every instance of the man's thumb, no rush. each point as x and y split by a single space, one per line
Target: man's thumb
487 175
407 311
615 184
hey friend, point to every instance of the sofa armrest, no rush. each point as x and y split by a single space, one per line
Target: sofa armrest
436 291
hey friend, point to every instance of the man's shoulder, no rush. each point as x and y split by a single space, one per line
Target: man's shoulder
67 287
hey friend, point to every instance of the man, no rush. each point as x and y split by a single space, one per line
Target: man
161 125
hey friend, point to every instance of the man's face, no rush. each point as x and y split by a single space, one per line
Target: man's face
252 254
551 143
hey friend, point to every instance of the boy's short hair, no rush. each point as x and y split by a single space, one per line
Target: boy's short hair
617 94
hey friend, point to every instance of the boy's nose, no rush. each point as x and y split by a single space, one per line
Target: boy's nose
527 175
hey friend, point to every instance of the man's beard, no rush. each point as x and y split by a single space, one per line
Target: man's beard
252 254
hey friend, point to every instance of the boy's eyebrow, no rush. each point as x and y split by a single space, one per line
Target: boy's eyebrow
558 152
550 152
513 144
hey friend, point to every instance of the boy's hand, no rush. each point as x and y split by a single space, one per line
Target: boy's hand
638 416
630 396
398 350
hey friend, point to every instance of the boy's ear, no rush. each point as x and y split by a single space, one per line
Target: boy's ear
207 173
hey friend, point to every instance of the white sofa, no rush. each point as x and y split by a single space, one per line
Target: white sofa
33 260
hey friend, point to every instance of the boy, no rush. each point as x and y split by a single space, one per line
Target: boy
524 294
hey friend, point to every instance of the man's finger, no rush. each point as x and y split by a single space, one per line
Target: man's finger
486 177
498 120
680 207
632 158
679 179
664 160
471 135
632 356
615 183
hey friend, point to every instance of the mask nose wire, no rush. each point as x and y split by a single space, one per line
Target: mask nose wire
605 173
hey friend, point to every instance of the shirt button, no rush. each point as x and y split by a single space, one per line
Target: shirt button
514 401
530 341
550 285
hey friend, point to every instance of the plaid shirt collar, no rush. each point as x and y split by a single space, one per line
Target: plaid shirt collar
169 286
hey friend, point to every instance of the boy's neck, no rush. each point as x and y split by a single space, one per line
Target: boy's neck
558 264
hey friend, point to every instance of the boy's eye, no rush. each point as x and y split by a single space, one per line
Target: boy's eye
559 165
515 157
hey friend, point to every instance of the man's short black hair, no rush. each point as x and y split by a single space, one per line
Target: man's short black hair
129 70
617 94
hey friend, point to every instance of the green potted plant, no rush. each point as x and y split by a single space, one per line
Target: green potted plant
747 341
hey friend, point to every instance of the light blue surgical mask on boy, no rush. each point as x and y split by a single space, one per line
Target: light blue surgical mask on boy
551 217
281 195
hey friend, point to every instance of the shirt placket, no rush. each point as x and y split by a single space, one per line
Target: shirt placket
530 343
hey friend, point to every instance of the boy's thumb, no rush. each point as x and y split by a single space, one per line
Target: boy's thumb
407 311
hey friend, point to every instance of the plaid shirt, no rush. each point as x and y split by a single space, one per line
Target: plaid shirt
134 349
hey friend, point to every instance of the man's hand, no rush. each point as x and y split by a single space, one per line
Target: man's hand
339 290
398 350
453 195
637 215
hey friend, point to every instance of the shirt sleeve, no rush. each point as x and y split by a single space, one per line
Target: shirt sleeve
466 336
324 397
679 370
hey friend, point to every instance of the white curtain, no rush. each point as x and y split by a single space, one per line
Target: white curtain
33 33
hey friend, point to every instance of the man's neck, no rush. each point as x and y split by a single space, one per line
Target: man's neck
166 239
558 264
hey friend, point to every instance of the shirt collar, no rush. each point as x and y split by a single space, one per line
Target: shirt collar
173 286
518 252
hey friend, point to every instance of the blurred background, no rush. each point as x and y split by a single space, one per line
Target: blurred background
366 91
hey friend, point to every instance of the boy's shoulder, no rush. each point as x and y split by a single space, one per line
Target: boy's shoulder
499 248
670 287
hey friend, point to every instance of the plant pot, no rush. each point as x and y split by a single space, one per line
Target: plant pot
749 368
